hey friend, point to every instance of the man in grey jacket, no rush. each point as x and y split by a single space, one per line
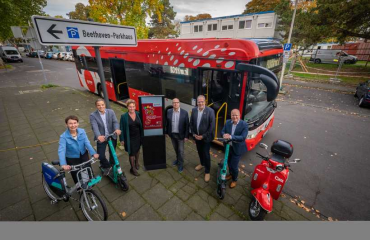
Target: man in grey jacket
104 122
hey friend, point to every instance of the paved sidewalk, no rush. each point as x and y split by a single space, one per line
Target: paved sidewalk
31 120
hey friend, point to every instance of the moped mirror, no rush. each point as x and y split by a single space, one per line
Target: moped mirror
297 160
262 145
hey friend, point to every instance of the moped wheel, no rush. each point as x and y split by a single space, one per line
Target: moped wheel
93 207
123 184
256 212
54 197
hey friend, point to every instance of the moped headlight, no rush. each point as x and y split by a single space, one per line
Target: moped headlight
279 168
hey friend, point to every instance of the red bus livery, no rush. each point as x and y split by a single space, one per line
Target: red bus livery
220 69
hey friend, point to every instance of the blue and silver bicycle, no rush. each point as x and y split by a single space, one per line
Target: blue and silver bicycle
55 185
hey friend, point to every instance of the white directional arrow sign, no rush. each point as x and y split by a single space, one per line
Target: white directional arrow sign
56 31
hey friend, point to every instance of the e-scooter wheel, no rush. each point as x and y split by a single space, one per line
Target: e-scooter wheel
256 212
123 184
221 191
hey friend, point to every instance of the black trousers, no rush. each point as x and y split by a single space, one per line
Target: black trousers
100 147
233 162
75 161
204 155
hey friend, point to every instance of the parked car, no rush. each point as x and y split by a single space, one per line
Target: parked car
49 55
34 54
55 55
10 54
67 56
363 94
61 55
71 58
332 56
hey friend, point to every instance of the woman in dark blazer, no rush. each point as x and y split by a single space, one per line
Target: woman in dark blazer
132 135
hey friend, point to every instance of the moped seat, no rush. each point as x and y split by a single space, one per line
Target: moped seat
277 158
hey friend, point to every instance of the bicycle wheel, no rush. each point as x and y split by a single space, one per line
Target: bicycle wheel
93 207
50 192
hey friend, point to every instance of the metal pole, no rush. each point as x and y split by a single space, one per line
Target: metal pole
289 37
37 51
101 75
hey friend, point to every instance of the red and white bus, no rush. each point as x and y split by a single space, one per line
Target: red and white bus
186 68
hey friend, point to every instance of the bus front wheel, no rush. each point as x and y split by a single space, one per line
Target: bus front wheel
100 91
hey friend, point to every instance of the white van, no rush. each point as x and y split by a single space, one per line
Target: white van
332 56
10 54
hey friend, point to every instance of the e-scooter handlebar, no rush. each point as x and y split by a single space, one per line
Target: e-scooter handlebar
224 140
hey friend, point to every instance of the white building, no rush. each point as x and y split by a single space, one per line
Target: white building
253 25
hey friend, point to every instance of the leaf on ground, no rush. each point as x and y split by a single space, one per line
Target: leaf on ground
250 164
123 214
330 219
196 179
302 201
243 166
283 195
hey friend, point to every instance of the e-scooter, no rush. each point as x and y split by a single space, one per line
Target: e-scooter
222 170
116 174
269 178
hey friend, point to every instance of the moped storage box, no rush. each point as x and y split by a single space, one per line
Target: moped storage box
55 184
282 148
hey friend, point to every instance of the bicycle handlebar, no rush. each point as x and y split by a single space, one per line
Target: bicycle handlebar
224 140
80 166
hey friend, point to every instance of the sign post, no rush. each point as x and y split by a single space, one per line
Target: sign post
154 142
56 31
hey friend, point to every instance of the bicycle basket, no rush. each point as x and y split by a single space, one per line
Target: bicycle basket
84 176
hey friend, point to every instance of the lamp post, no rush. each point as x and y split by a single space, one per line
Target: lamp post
289 38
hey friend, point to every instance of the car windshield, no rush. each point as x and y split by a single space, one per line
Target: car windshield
11 52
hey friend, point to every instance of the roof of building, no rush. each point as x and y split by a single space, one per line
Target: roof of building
231 16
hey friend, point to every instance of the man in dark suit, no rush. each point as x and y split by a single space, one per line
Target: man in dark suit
104 122
202 125
177 127
236 130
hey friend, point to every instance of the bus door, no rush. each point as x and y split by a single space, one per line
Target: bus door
119 78
222 91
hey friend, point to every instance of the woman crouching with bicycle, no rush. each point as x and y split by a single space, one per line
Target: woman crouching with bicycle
72 146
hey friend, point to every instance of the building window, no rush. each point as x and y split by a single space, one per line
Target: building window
245 24
227 27
264 25
198 28
212 27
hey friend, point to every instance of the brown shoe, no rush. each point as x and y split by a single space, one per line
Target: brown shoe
228 177
198 167
232 184
207 177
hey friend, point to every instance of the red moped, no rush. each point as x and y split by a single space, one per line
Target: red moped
269 178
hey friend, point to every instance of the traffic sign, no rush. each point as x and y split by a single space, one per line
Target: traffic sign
56 31
287 46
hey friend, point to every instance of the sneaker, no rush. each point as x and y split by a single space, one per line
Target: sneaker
232 184
207 177
198 167
180 169
174 163
106 171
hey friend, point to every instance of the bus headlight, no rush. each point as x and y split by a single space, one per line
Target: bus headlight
250 136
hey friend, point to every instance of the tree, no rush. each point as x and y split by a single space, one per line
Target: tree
81 12
17 13
255 6
165 27
344 18
126 12
58 16
197 17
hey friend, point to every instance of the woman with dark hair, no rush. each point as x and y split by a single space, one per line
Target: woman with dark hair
73 144
132 133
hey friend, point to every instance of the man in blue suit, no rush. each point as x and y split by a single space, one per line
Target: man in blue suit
236 130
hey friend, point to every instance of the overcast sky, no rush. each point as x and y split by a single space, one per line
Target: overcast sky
216 8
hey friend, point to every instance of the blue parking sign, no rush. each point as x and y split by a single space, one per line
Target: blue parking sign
73 32
287 46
